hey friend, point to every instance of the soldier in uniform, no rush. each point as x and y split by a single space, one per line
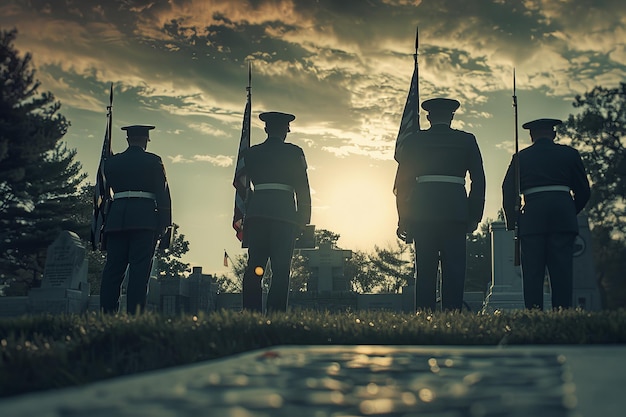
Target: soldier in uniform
277 210
554 186
434 209
137 218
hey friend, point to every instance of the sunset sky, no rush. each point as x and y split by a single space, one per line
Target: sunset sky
342 67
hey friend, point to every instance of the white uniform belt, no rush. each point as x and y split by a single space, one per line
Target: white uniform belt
134 194
441 178
273 186
540 189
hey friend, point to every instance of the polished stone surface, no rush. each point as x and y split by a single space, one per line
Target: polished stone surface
363 380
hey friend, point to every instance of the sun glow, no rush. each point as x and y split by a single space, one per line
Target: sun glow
359 205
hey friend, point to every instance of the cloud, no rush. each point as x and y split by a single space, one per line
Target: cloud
218 160
221 161
179 159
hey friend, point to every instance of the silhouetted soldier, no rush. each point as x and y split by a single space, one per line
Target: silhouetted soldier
555 189
139 215
277 210
434 209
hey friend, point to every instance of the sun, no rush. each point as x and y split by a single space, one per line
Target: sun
359 205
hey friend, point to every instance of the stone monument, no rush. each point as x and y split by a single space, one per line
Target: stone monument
586 291
327 263
64 288
506 291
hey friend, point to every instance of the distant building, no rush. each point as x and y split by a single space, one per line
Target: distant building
189 295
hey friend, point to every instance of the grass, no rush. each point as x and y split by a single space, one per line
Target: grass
44 352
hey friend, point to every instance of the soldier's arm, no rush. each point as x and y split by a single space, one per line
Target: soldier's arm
509 196
478 183
303 191
580 184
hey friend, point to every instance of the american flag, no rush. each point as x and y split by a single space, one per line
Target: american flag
410 123
241 182
102 192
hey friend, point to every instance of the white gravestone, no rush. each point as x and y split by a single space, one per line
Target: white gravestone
64 288
506 291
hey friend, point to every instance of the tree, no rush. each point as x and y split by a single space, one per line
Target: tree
361 273
391 262
168 260
598 131
39 178
326 236
226 284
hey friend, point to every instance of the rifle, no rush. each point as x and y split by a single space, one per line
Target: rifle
102 191
417 82
518 197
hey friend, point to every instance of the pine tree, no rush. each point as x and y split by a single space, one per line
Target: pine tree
39 177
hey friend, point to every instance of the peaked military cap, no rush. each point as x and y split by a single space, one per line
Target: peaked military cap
276 117
441 105
138 130
543 124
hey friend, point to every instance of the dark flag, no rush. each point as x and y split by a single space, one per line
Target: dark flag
102 192
241 182
225 258
410 123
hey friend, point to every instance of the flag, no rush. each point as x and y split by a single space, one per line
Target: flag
102 192
410 123
241 182
225 259
410 117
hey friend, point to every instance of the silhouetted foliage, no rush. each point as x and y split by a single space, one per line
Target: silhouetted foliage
598 131
363 276
395 264
168 260
39 178
326 236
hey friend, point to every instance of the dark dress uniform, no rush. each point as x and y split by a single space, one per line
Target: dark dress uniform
434 208
555 189
138 215
277 210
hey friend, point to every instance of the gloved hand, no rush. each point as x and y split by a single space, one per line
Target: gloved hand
403 235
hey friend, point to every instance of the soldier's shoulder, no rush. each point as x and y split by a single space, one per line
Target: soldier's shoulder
153 156
463 133
293 147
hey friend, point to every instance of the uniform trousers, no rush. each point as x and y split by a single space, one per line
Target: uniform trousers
132 250
437 242
554 251
271 240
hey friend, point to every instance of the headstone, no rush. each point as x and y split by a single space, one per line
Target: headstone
506 291
327 268
64 288
586 291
